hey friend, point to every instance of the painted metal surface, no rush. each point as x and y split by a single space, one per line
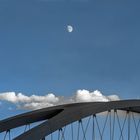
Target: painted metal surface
58 116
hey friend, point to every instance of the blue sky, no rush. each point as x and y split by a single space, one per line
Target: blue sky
38 55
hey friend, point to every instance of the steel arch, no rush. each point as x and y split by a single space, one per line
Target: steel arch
58 116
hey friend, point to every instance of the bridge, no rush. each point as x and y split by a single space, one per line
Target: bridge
114 120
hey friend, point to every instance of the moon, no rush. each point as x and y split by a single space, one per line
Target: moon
69 28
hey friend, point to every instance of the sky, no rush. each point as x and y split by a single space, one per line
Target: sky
39 56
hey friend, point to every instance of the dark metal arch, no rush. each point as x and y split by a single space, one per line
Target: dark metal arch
28 118
64 115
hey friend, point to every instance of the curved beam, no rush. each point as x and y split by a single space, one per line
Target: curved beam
27 118
73 113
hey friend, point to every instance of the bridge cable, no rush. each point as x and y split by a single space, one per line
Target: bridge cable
98 127
62 133
93 128
113 123
5 135
78 130
104 125
129 117
136 127
9 135
72 131
110 124
123 125
58 134
84 131
119 126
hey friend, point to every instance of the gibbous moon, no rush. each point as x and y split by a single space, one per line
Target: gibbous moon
69 28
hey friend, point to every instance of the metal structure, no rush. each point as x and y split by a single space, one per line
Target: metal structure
119 120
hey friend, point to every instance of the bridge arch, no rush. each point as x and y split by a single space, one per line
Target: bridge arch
57 117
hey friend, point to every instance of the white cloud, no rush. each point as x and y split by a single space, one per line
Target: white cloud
8 96
36 102
87 96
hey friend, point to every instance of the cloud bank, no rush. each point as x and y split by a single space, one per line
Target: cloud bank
36 102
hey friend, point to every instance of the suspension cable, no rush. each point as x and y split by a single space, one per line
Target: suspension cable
72 131
5 135
123 126
93 128
9 135
136 127
119 125
110 125
84 137
98 127
84 131
78 129
104 125
62 133
58 134
129 116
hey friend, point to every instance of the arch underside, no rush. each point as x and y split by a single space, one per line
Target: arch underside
59 116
